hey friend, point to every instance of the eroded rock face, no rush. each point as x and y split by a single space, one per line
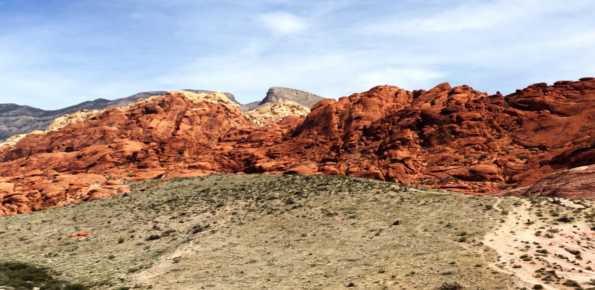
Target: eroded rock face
456 139
76 117
19 120
276 112
578 182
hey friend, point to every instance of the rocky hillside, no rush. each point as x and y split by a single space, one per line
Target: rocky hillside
456 139
16 119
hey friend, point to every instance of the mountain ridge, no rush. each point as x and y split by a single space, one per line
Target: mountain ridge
21 119
450 138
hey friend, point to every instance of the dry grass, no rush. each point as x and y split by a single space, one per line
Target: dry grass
277 232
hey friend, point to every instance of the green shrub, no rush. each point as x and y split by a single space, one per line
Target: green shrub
571 283
74 287
526 258
24 276
451 286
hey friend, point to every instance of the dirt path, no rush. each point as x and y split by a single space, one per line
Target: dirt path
542 250
493 265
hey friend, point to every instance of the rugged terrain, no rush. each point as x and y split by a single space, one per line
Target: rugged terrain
277 95
145 225
306 232
16 119
273 231
456 139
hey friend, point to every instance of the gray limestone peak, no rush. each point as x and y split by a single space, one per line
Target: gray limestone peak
278 95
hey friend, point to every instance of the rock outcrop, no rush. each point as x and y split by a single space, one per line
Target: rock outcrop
68 119
578 182
277 95
276 112
17 120
456 139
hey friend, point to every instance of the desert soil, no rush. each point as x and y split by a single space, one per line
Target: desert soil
547 241
302 232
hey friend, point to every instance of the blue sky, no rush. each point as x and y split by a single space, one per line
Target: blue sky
56 53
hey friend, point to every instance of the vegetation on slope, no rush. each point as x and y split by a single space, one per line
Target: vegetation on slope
21 276
250 232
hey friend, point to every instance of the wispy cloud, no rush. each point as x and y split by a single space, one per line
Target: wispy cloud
283 22
466 16
64 52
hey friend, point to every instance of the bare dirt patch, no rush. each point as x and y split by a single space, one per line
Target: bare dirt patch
547 242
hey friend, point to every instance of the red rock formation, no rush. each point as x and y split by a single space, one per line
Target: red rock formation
452 138
82 234
578 182
460 139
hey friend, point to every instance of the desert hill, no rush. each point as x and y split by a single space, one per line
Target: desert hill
255 231
319 232
456 139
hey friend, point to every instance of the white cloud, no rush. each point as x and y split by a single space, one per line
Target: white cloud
333 73
328 47
475 16
283 22
490 45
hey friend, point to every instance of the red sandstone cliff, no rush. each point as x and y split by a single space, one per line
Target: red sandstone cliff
452 138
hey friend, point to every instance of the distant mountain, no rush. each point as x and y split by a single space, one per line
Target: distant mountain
450 138
16 119
277 95
250 106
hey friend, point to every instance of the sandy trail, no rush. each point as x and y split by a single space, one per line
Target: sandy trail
539 249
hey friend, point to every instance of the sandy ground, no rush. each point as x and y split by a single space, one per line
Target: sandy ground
543 250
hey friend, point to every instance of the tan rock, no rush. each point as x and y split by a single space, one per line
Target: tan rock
276 112
67 119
